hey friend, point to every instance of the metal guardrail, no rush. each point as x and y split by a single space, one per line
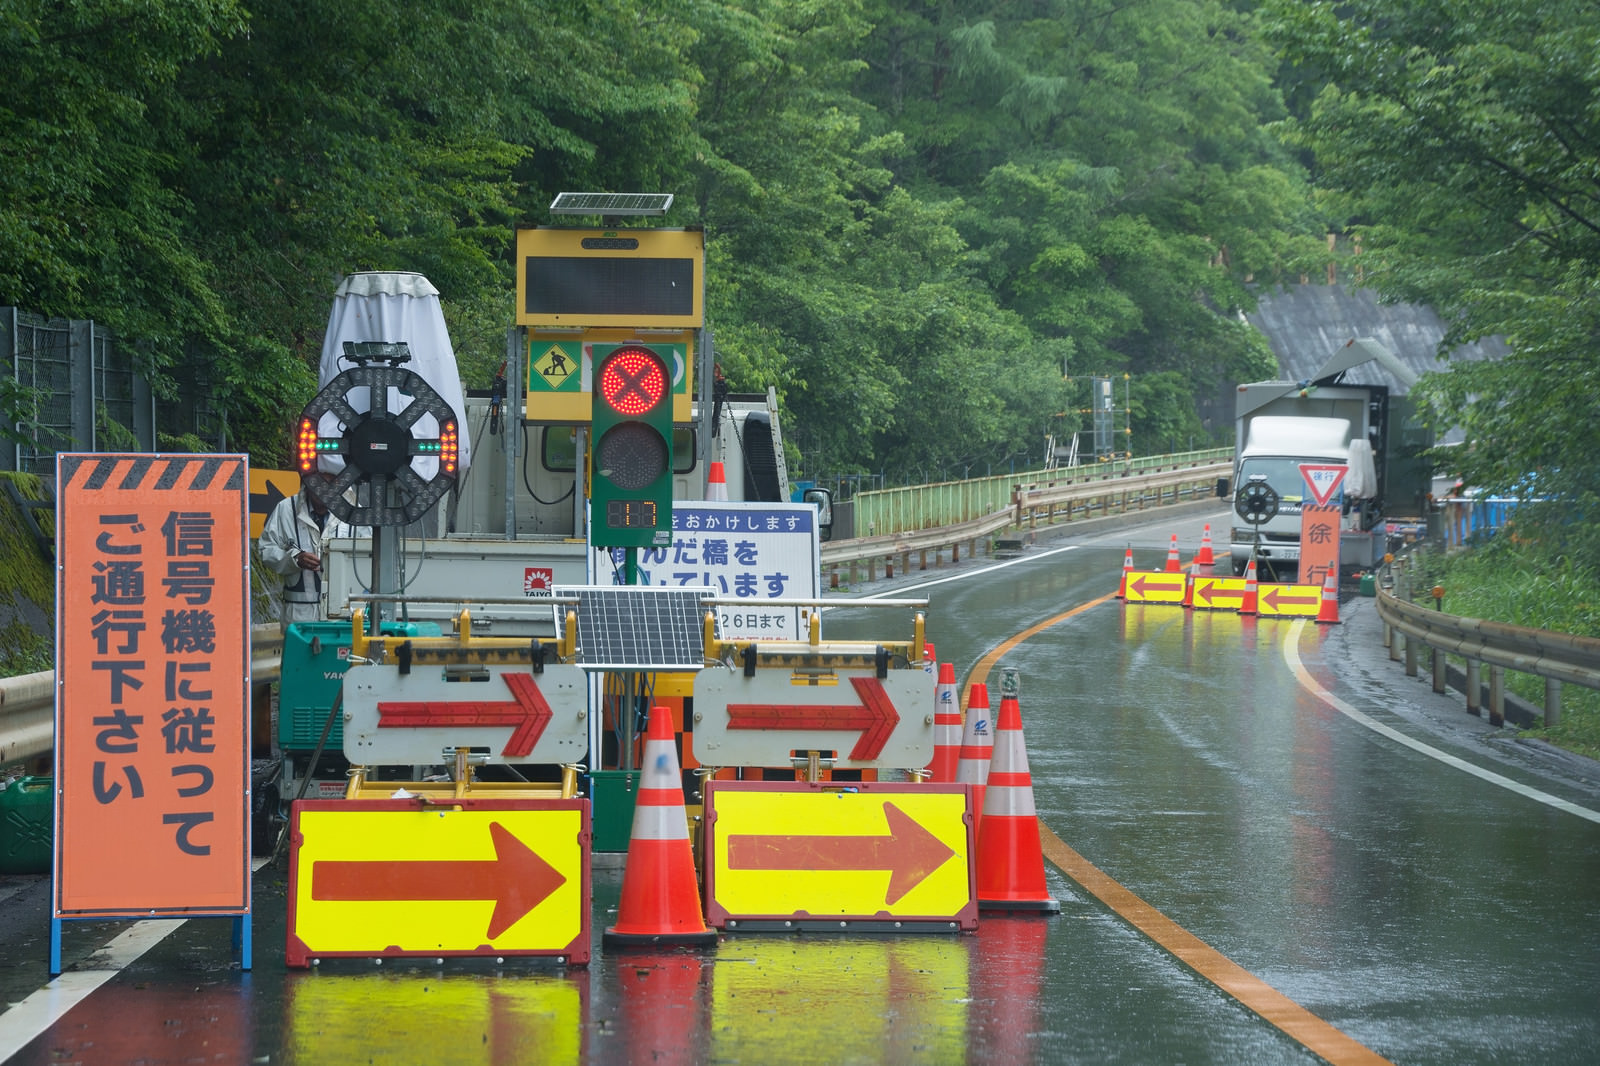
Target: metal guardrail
1060 499
1556 657
912 508
28 702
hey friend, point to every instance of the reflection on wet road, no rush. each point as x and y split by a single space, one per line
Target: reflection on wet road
1198 761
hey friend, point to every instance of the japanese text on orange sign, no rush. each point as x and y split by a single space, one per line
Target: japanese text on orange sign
153 645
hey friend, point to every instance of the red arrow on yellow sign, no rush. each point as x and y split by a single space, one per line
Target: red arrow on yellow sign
909 852
517 879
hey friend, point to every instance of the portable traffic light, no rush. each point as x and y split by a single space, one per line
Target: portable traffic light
631 491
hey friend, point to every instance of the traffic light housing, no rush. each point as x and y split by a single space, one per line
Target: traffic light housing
630 495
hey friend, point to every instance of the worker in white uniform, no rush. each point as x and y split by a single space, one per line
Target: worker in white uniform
292 542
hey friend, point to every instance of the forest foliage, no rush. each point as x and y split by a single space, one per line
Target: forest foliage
928 223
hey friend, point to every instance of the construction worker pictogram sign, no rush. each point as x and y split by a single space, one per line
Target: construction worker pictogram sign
556 366
798 852
511 713
152 737
867 721
450 876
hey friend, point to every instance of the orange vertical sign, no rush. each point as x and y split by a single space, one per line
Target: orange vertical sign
1319 521
152 670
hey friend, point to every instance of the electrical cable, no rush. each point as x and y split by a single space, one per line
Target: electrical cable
526 457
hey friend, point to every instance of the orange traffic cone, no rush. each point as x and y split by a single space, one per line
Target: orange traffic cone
977 745
1328 609
717 483
1248 604
1188 583
946 726
1010 858
660 891
1173 566
1127 568
1205 558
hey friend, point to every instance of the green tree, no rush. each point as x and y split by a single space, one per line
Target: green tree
1461 140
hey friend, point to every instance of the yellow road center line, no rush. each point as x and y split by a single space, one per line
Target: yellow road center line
1273 1006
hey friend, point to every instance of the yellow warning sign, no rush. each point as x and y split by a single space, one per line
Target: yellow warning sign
559 369
1145 586
267 488
456 877
1288 600
1218 593
797 853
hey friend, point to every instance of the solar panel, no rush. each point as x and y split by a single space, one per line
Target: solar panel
611 203
639 627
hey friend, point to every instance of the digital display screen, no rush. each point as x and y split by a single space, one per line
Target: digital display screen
597 285
630 514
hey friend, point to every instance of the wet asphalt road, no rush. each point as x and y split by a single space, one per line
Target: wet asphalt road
1232 773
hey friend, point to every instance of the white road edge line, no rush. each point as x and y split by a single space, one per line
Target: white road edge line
22 1023
895 593
1291 655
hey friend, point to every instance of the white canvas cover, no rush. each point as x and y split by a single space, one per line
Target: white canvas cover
394 306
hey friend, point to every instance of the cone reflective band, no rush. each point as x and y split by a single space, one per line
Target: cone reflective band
631 488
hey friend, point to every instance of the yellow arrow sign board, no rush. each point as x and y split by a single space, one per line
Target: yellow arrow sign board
1218 593
1288 600
371 878
1146 586
795 856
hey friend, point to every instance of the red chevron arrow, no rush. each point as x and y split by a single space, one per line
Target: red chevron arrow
910 853
517 879
1206 592
1142 583
875 716
1275 599
529 713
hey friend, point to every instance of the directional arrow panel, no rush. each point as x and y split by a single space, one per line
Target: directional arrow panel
516 716
375 878
865 720
793 855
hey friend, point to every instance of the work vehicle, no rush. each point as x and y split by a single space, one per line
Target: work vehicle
473 554
1283 429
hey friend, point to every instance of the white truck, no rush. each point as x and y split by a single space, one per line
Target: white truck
1326 420
1282 426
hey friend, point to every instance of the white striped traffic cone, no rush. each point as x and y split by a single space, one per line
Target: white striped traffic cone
717 483
1173 565
1328 609
1250 604
946 726
1127 568
1010 858
1206 558
977 745
660 890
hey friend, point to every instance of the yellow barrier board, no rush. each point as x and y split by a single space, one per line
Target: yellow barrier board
796 855
1288 600
1145 586
1218 593
396 877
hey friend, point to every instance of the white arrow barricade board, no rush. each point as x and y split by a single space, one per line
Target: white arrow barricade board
509 712
867 721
